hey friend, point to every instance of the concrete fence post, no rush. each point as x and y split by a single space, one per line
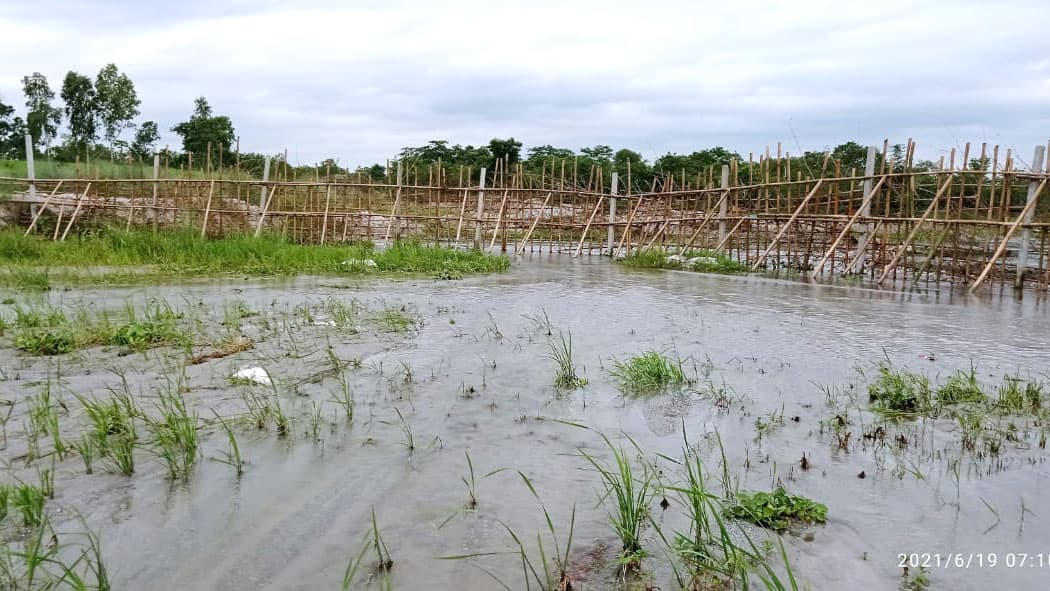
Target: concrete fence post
612 211
723 208
266 177
1026 233
481 209
865 228
156 175
31 174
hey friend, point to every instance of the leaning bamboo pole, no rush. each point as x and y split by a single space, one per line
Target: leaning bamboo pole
262 214
528 234
327 202
73 218
207 210
499 218
845 230
1009 234
914 231
583 236
788 224
43 206
707 218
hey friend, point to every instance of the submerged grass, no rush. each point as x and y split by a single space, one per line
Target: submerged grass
776 510
649 372
47 330
898 391
714 555
705 261
112 254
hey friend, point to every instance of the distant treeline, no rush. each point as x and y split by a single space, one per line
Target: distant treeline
107 108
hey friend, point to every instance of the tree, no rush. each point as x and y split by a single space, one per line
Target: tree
599 154
203 129
146 138
81 110
640 170
548 152
118 104
42 118
852 155
509 149
12 132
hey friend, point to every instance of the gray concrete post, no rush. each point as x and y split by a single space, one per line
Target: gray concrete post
266 177
31 172
723 208
865 228
477 215
612 212
1026 233
156 175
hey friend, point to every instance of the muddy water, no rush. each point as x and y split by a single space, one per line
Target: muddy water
481 384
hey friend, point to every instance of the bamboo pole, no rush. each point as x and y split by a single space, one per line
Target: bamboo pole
73 217
583 236
521 248
627 228
262 214
914 231
327 202
207 209
462 211
708 217
397 201
43 206
729 234
787 225
1009 234
847 228
499 218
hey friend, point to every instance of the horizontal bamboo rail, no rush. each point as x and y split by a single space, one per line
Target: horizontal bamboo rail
944 226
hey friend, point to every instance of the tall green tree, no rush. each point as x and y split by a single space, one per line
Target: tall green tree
852 155
81 110
203 128
42 118
12 133
509 149
146 138
118 103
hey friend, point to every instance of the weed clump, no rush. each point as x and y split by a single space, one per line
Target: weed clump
566 375
961 387
900 391
776 510
649 372
704 261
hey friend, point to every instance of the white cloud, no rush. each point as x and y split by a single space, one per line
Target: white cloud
361 80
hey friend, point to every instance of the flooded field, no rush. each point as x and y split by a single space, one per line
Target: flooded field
427 411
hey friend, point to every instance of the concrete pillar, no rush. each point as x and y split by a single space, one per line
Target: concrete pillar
1026 233
723 208
612 212
477 215
865 229
266 177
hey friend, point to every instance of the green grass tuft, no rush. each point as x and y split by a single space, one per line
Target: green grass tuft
649 372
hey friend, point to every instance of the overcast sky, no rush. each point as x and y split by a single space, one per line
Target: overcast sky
359 80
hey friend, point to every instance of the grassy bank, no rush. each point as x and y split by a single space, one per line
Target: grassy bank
704 261
115 255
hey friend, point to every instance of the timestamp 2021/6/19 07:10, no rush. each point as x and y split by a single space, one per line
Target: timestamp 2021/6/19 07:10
934 560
